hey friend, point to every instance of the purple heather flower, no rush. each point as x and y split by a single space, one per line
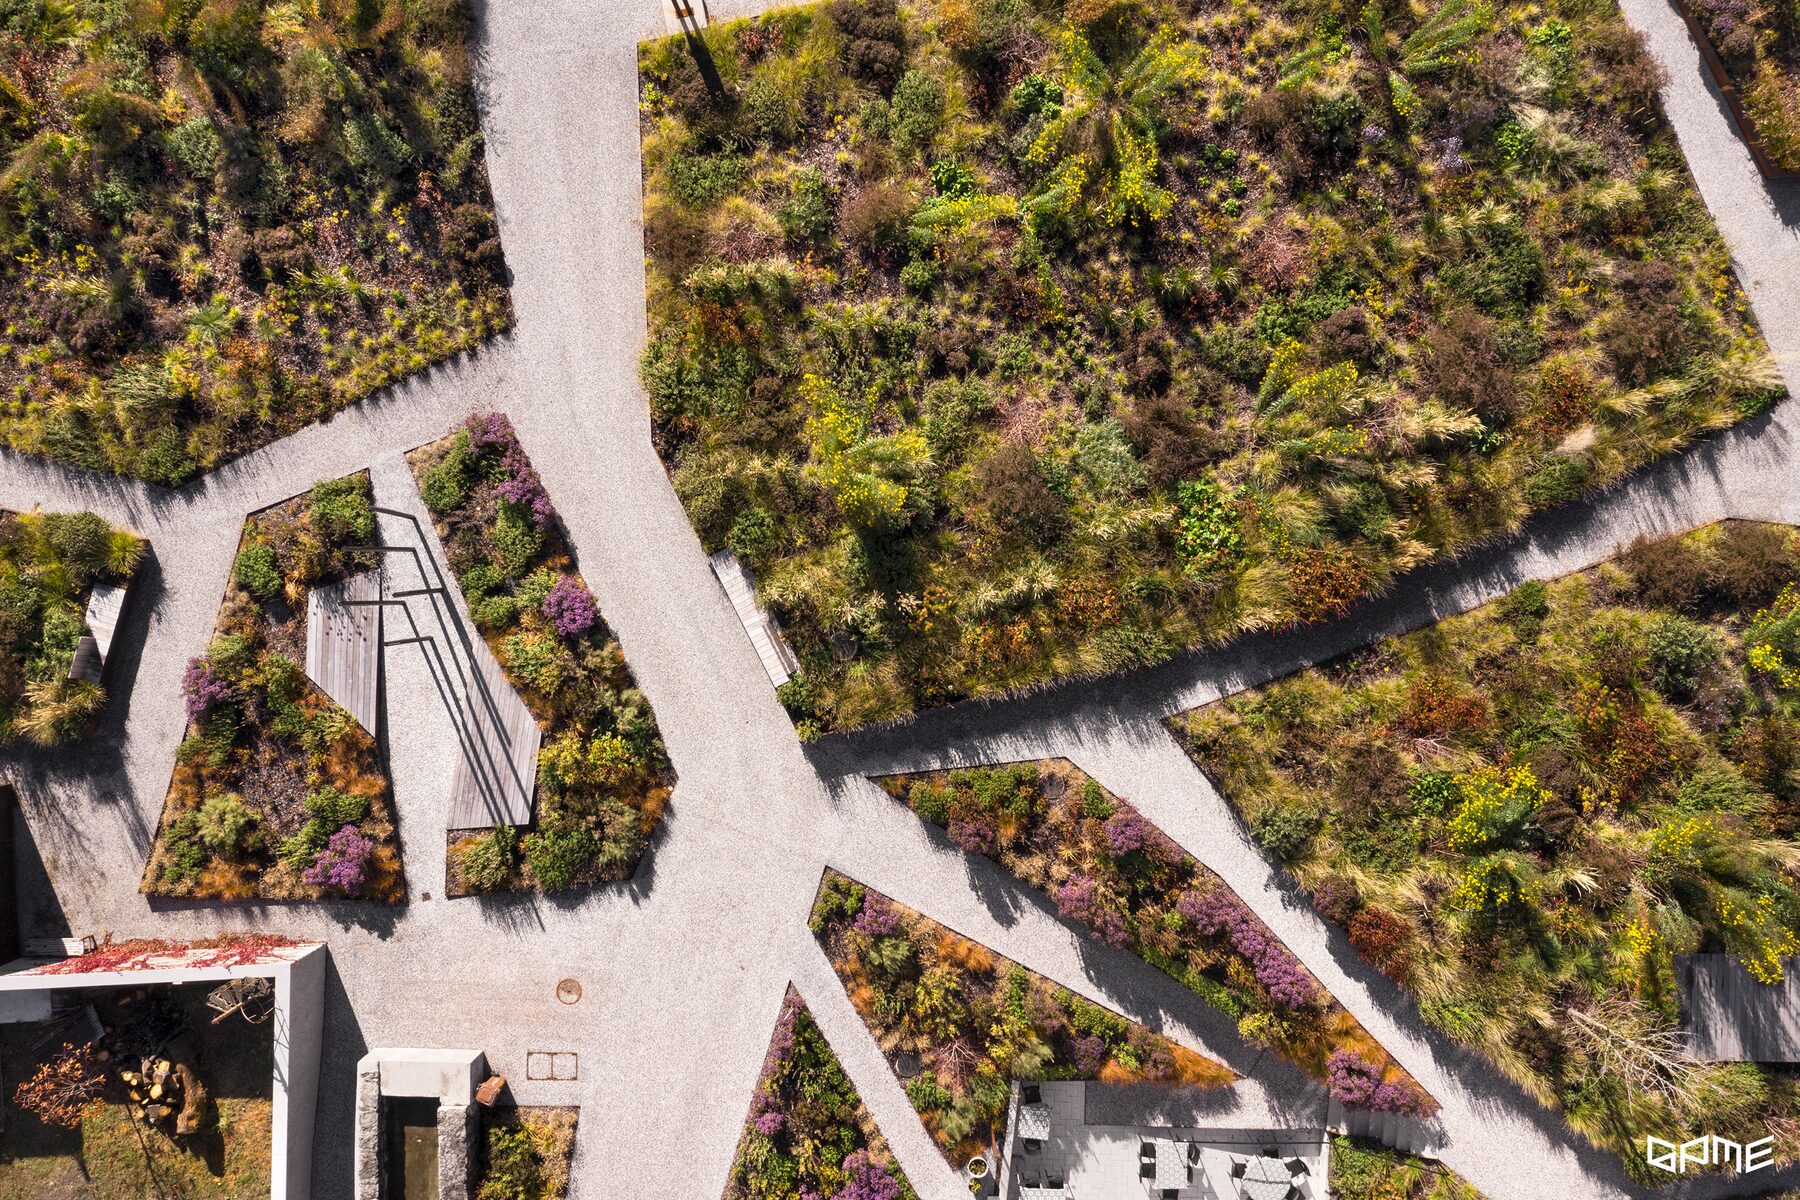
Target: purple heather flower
1356 1082
487 430
1373 134
877 919
1080 900
867 1179
769 1124
1090 1054
1126 830
570 607
202 687
977 837
779 1045
343 863
1450 155
1217 911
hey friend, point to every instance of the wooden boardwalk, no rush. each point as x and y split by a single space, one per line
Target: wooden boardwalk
343 646
1733 1018
496 773
777 660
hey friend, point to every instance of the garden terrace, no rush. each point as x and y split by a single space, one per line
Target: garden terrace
1759 47
1364 1170
50 564
278 793
603 775
1011 343
958 1023
526 1153
221 223
1524 813
1110 870
808 1133
73 1128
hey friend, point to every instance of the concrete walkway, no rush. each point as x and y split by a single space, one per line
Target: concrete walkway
684 969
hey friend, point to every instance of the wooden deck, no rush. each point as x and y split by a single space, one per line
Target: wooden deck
1733 1018
777 660
343 646
497 771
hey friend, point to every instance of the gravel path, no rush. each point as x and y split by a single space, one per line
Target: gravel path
684 969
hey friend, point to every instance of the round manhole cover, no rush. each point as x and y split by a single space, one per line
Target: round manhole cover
568 991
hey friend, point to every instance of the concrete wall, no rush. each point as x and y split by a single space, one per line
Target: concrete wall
9 886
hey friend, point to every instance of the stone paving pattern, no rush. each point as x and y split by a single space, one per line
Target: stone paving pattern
684 969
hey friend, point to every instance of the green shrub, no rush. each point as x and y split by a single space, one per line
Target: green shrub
444 488
916 111
257 570
225 824
1525 607
481 579
1094 804
196 145
754 536
494 612
486 863
1680 654
516 540
82 541
805 218
336 808
1558 479
931 803
183 851
698 180
340 509
1285 829
557 858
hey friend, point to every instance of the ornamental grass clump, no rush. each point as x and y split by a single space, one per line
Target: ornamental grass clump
808 1133
50 564
1109 868
603 773
1529 813
977 1021
277 792
1185 325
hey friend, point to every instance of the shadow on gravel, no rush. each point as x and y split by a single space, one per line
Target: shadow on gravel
342 1045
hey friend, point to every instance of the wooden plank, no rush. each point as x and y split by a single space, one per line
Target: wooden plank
496 773
765 635
343 646
1734 1018
105 605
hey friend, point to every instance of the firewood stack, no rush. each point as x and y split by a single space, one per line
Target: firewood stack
163 1088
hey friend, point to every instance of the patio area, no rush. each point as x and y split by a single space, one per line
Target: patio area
1090 1141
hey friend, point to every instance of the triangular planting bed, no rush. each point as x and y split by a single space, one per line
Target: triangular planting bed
279 793
958 1022
603 775
809 1133
1104 865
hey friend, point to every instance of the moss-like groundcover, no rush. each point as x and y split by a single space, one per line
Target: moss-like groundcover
278 793
219 222
49 564
1759 43
1011 342
603 773
808 1134
973 1021
1104 865
1525 812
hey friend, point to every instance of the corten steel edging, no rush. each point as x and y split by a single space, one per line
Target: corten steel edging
1759 151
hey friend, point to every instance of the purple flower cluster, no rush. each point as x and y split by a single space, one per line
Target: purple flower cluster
877 919
977 837
868 1179
1216 911
570 607
1079 899
1127 831
1373 135
343 863
1729 25
202 687
519 483
1356 1082
1090 1053
762 1106
769 1123
1450 155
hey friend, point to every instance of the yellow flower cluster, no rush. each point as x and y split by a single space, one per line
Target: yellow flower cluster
1764 942
1488 794
1487 884
1769 625
1641 938
1678 845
